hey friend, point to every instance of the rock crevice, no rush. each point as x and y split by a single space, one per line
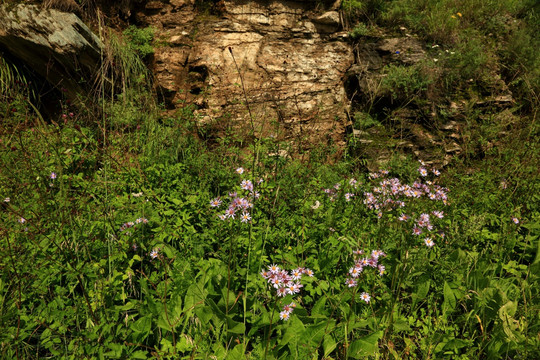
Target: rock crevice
290 59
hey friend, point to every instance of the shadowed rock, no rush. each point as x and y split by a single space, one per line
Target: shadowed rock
55 44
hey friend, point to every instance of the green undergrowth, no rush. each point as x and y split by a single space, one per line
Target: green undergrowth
111 249
473 50
118 240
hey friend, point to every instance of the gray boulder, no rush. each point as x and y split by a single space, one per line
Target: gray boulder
55 44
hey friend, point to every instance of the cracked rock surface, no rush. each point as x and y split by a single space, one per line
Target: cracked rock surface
290 57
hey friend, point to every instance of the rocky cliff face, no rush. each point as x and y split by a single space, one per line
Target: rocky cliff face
285 69
285 60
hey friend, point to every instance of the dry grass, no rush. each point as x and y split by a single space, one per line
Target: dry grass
62 5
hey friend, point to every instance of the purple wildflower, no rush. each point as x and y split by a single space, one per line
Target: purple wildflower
350 282
216 202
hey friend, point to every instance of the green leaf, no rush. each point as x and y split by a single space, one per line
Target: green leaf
184 344
313 333
449 297
329 344
365 346
294 329
421 291
130 305
142 325
401 324
204 314
318 308
139 354
163 324
235 327
236 353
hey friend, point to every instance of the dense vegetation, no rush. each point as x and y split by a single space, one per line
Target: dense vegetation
126 234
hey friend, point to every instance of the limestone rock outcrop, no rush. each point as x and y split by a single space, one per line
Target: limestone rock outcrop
285 60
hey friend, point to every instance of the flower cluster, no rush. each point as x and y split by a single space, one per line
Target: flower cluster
285 283
361 262
132 224
424 225
238 205
334 191
285 314
391 193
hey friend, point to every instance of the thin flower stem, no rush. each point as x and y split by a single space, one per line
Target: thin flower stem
228 276
270 329
349 319
250 236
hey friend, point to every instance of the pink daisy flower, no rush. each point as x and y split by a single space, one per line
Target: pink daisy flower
216 202
284 315
350 282
365 297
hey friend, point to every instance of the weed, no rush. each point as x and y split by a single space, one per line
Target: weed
140 40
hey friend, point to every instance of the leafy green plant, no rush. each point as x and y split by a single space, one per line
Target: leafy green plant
404 82
365 121
359 30
140 40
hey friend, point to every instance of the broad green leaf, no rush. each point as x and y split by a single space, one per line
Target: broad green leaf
236 353
329 344
318 308
142 325
204 313
235 327
313 333
365 346
139 354
449 297
401 324
163 323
